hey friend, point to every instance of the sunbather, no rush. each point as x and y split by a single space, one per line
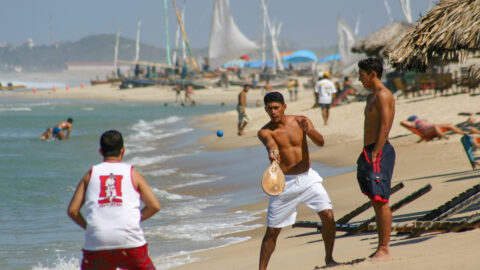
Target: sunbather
429 130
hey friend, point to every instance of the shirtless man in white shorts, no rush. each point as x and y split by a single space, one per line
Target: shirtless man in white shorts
285 138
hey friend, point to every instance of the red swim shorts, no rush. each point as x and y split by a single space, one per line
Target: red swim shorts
128 258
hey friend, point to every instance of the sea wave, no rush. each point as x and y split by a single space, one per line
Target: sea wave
16 109
145 161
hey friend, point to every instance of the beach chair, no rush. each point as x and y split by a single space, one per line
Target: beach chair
425 137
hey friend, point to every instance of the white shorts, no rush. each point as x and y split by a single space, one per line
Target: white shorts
303 188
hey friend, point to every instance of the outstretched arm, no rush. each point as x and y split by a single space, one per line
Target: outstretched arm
152 206
77 202
266 138
307 126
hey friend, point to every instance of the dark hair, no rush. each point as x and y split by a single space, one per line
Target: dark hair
111 142
371 64
346 78
70 120
273 97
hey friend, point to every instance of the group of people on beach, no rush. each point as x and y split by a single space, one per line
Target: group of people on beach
285 140
111 192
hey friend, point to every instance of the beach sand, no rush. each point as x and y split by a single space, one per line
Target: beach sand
441 163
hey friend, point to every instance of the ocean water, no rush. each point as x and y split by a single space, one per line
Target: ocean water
192 184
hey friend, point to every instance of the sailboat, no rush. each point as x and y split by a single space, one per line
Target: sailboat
227 42
346 40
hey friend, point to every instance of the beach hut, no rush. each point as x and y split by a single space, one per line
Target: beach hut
448 32
382 41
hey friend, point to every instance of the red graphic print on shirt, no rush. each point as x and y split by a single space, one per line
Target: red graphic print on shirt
110 190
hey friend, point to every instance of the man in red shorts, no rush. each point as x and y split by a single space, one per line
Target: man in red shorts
376 162
111 193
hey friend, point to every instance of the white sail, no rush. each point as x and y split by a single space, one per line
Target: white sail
226 40
389 10
406 10
346 40
137 44
115 56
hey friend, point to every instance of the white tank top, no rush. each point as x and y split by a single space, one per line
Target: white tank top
112 208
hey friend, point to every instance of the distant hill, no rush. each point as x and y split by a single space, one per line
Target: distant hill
100 48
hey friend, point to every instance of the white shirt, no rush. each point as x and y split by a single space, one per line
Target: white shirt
325 89
112 208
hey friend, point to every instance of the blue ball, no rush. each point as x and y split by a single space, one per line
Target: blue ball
219 133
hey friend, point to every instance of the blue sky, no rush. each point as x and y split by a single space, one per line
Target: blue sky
309 23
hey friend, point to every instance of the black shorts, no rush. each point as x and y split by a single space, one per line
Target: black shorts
375 179
325 106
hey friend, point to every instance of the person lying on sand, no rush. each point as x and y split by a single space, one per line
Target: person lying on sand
428 129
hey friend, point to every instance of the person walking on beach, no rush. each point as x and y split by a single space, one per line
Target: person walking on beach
267 88
58 129
111 193
243 118
285 138
375 163
326 94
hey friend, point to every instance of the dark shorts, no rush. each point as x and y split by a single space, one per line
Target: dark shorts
128 258
375 179
324 106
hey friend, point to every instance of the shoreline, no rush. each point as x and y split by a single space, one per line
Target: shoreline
441 163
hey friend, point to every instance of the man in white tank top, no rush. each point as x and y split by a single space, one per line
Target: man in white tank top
111 194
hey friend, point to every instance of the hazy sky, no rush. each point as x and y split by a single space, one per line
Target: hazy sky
310 23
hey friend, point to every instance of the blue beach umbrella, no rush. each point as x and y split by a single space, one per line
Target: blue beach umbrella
329 58
301 56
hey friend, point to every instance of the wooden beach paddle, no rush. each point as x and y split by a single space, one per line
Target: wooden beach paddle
273 179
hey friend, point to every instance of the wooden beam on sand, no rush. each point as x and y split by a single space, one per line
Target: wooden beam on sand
415 195
471 222
341 224
451 207
362 208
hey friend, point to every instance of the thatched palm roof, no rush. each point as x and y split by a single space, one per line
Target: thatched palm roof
382 41
450 31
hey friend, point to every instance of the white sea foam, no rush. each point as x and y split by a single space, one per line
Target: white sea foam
16 109
148 125
88 109
161 172
197 182
170 196
145 161
60 264
157 134
207 227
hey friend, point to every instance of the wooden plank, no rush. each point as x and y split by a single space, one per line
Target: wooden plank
451 207
362 208
346 218
415 195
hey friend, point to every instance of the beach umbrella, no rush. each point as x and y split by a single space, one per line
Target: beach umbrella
382 41
448 32
332 57
301 56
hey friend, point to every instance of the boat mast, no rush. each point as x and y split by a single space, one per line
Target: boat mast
264 35
115 56
167 38
137 47
179 19
175 52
